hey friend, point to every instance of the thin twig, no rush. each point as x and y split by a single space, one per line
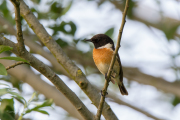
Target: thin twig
100 107
20 39
16 64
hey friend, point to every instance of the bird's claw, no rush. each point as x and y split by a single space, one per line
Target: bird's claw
106 93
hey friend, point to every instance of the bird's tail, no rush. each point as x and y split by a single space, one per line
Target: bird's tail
123 89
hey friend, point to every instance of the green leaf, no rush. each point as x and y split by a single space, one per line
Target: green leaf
48 102
6 13
14 94
110 32
61 28
18 97
56 8
72 25
7 109
4 91
42 111
62 43
5 48
131 7
4 84
73 28
6 116
65 10
170 31
45 104
15 58
2 70
176 101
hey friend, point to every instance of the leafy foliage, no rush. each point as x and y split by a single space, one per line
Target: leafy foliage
170 31
5 12
15 95
2 70
62 43
7 105
7 109
61 27
38 107
110 32
176 101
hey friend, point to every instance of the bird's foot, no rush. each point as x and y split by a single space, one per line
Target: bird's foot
107 77
106 93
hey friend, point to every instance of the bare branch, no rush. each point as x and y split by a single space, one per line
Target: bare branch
20 39
34 47
16 64
100 107
73 71
47 72
28 76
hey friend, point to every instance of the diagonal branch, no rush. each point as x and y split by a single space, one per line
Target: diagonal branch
34 47
42 68
100 107
20 39
74 72
28 76
48 73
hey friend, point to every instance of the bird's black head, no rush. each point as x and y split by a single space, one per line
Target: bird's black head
101 41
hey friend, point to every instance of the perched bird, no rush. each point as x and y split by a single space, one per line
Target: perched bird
102 55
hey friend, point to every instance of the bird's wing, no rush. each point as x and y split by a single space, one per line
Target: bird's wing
121 70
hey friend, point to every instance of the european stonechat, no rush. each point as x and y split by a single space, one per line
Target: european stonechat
102 55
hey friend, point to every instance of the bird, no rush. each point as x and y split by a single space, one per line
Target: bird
102 54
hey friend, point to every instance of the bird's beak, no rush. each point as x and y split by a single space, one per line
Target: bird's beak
88 40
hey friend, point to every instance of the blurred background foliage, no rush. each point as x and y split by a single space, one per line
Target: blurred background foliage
143 23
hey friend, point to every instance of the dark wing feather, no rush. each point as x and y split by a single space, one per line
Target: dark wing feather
121 70
121 87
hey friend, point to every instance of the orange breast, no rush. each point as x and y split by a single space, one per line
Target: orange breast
102 55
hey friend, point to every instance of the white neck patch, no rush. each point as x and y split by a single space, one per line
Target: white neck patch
106 46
